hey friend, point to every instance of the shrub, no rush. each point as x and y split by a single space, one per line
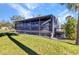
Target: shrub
70 28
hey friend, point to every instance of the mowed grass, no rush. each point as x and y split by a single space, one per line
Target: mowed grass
37 44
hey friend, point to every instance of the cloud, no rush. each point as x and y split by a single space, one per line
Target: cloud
63 12
22 11
68 14
31 6
63 15
63 18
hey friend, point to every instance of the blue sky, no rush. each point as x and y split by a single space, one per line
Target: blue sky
29 10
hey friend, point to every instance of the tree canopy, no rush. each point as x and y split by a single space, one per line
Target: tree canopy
70 28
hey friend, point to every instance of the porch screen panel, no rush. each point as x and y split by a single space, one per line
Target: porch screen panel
35 25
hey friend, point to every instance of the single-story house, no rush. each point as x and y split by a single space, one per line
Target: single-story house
42 25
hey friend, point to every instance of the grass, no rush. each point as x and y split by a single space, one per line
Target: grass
29 44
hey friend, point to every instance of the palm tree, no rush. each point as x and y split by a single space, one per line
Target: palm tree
75 7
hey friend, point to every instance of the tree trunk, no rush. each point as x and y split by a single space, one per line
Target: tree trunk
77 40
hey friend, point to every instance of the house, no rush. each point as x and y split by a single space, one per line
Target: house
42 25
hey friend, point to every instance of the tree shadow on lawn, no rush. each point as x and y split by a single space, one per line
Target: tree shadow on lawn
23 47
71 43
64 40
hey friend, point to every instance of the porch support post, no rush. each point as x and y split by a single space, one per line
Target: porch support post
15 26
39 26
52 26
30 25
30 28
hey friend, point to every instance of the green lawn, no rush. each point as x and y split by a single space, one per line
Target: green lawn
29 44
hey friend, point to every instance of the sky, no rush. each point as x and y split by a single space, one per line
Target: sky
28 10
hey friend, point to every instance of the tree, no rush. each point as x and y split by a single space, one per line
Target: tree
16 18
5 24
70 28
75 7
